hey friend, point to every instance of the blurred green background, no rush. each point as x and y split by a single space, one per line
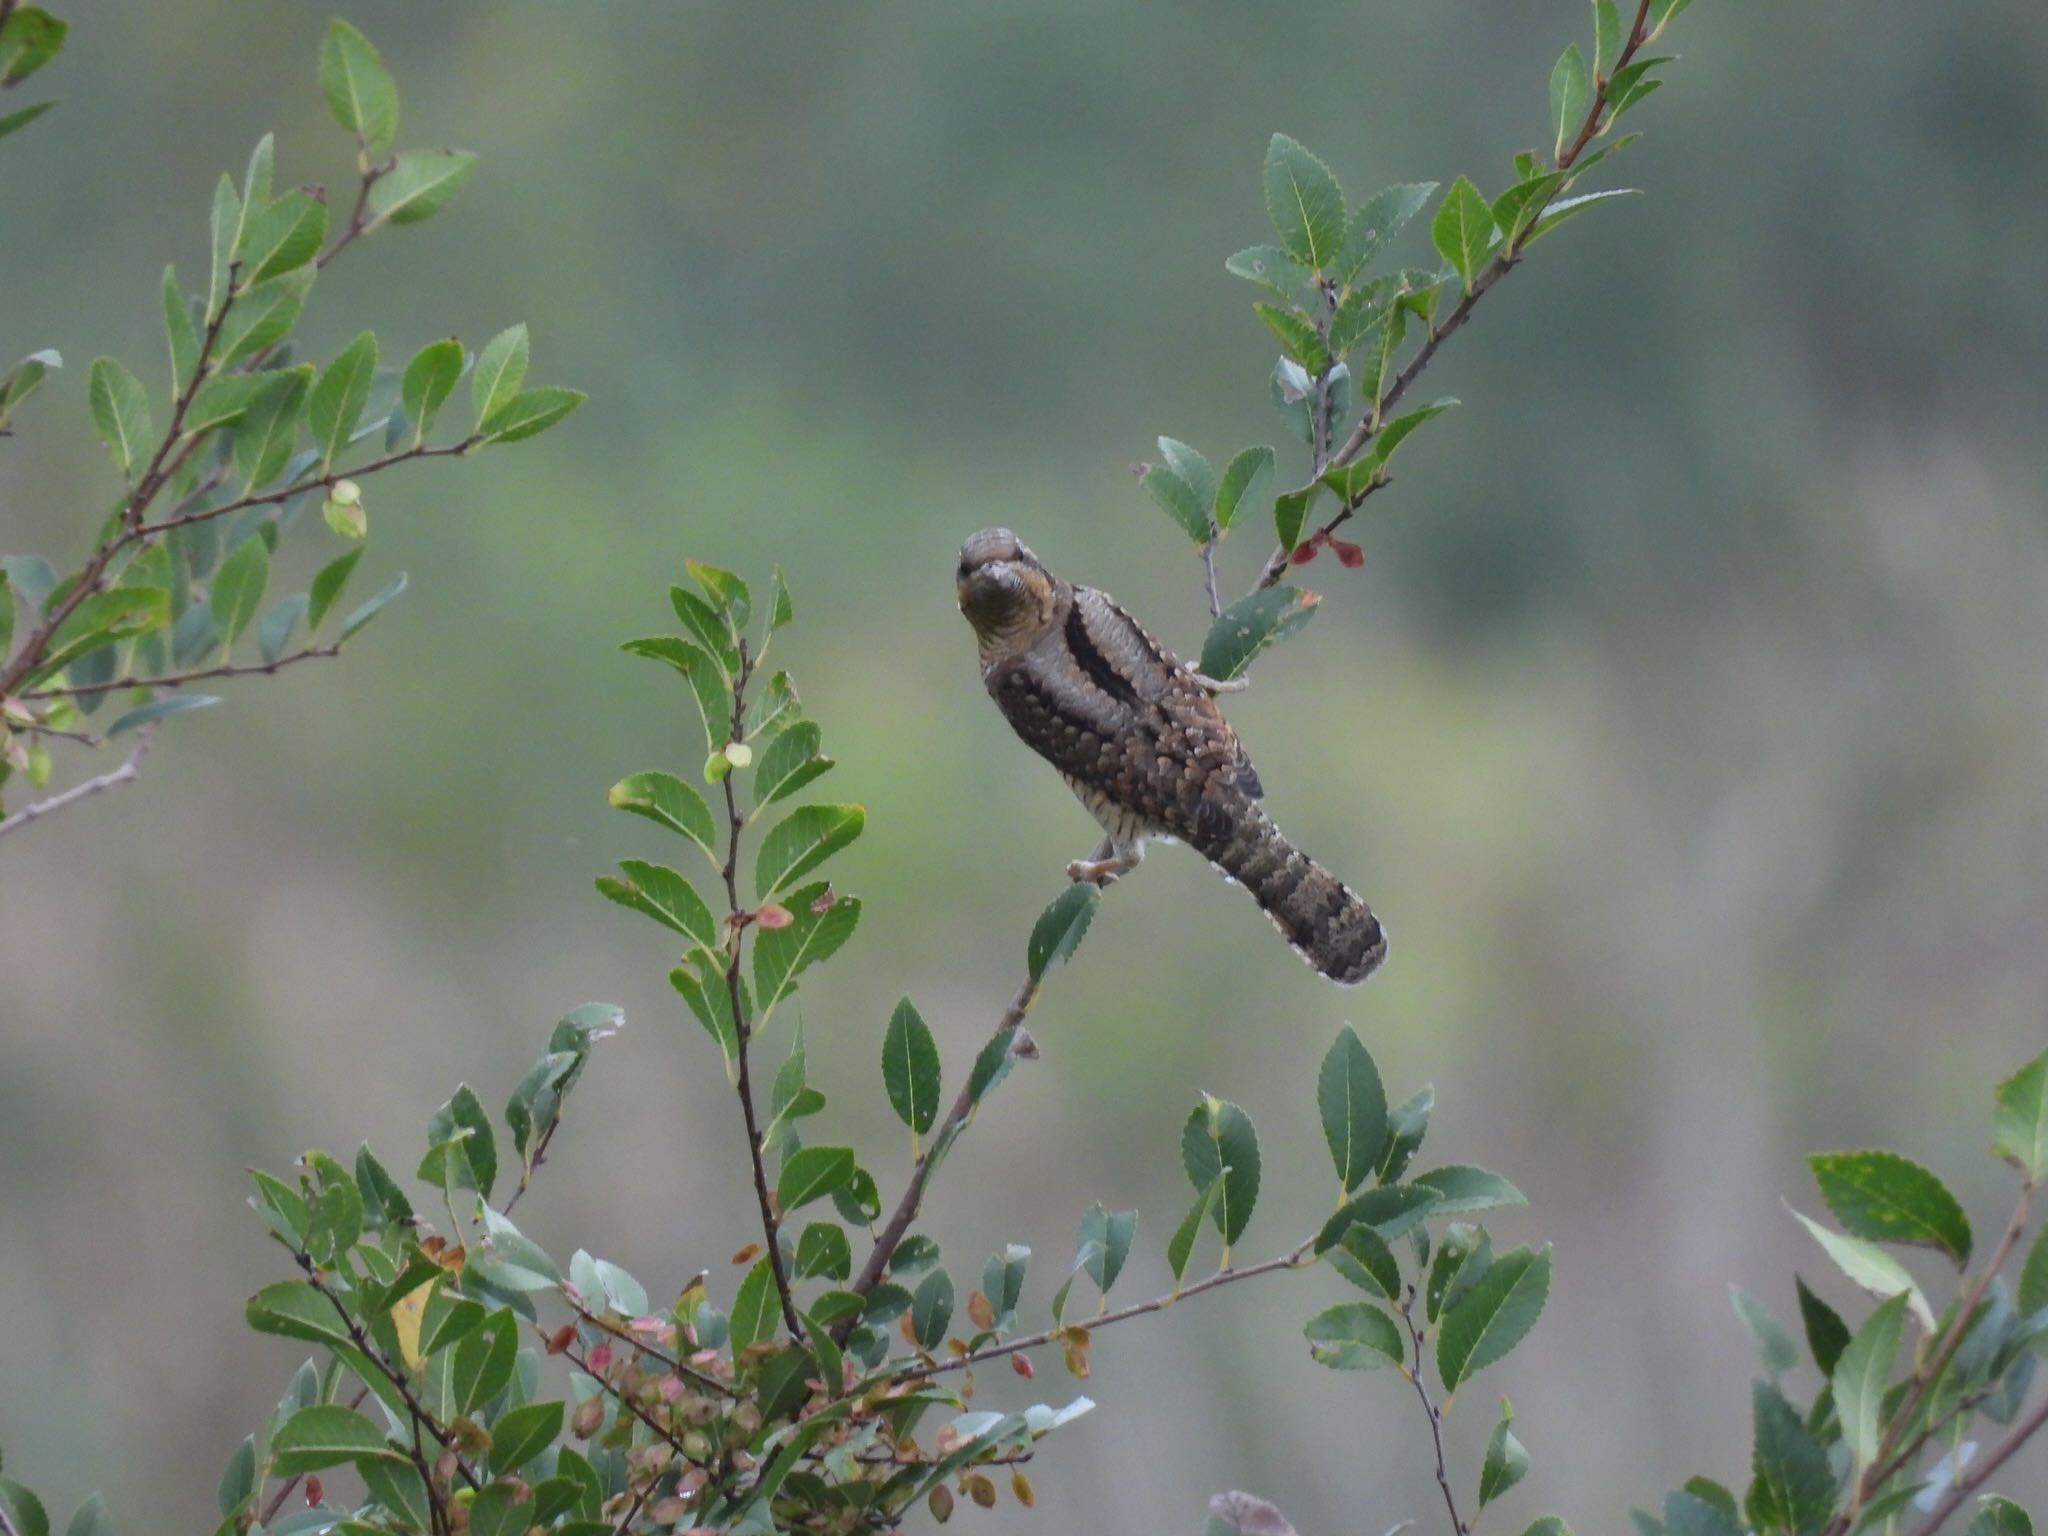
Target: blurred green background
1688 722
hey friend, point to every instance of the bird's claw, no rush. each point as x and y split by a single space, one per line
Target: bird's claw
1097 872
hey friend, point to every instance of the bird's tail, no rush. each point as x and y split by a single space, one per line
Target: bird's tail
1325 921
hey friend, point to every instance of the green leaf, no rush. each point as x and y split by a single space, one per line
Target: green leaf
337 401
1462 1189
1999 1516
23 1510
1192 468
270 428
1181 1246
178 327
1106 1237
1571 93
1304 202
707 626
1350 1097
1462 1259
823 1250
120 413
465 1112
910 1068
280 238
755 1307
1688 1514
781 610
328 585
1297 336
1826 1334
709 996
819 927
1218 1136
418 185
1244 480
521 1434
1606 38
659 892
500 370
370 609
485 1361
100 620
811 1173
2020 1126
1060 928
1889 1198
530 413
1570 208
1273 270
1792 1488
9 121
1516 208
2033 1286
322 1436
1251 624
1507 1460
1290 513
428 381
803 840
1353 1336
668 801
708 685
1773 1343
931 1309
1494 1316
1377 221
238 588
158 709
1463 230
1366 1261
397 1486
1179 500
1861 1375
789 762
263 316
91 1519
726 591
30 38
1391 1210
359 89
1871 1268
224 229
223 399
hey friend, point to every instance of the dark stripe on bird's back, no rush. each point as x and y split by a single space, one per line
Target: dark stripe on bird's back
1091 660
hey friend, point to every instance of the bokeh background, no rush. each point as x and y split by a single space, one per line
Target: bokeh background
1688 721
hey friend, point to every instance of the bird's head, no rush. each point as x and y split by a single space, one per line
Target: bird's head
1004 592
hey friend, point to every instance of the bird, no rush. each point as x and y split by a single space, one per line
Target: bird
1140 741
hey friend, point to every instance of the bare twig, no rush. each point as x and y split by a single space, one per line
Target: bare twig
1980 1471
130 769
1433 1412
1292 1259
357 224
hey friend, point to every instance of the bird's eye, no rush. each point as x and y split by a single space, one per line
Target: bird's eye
963 570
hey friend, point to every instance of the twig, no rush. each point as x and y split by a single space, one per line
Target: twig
1209 571
179 679
1980 1471
357 225
1292 1259
899 1221
659 1356
735 826
1433 1412
1504 262
300 487
129 770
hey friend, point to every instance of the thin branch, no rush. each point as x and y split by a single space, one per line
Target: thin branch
1980 1471
179 679
129 770
736 825
1209 572
1433 1413
1292 1259
300 487
899 1221
357 225
659 1356
1510 254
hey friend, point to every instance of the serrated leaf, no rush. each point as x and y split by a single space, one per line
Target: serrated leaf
238 588
670 802
1251 624
1366 1261
1792 1487
2020 1125
1494 1316
1290 513
1998 1516
707 680
1218 1135
1463 230
803 840
1390 1210
659 892
910 1068
359 89
418 185
1178 500
280 238
1274 270
815 933
1506 1461
1105 1244
1688 1514
1891 1199
1861 1376
1462 1189
1297 336
1192 467
1381 217
789 762
1244 481
1060 928
811 1173
1350 1099
120 412
1826 1334
1870 1267
931 1309
1353 1336
1181 1246
500 370
1304 202
1773 1343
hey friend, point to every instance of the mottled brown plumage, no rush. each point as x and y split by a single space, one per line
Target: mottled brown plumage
1143 745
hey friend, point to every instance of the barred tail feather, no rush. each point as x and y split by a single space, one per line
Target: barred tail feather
1325 922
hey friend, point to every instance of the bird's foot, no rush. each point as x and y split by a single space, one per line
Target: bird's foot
1215 685
1097 872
